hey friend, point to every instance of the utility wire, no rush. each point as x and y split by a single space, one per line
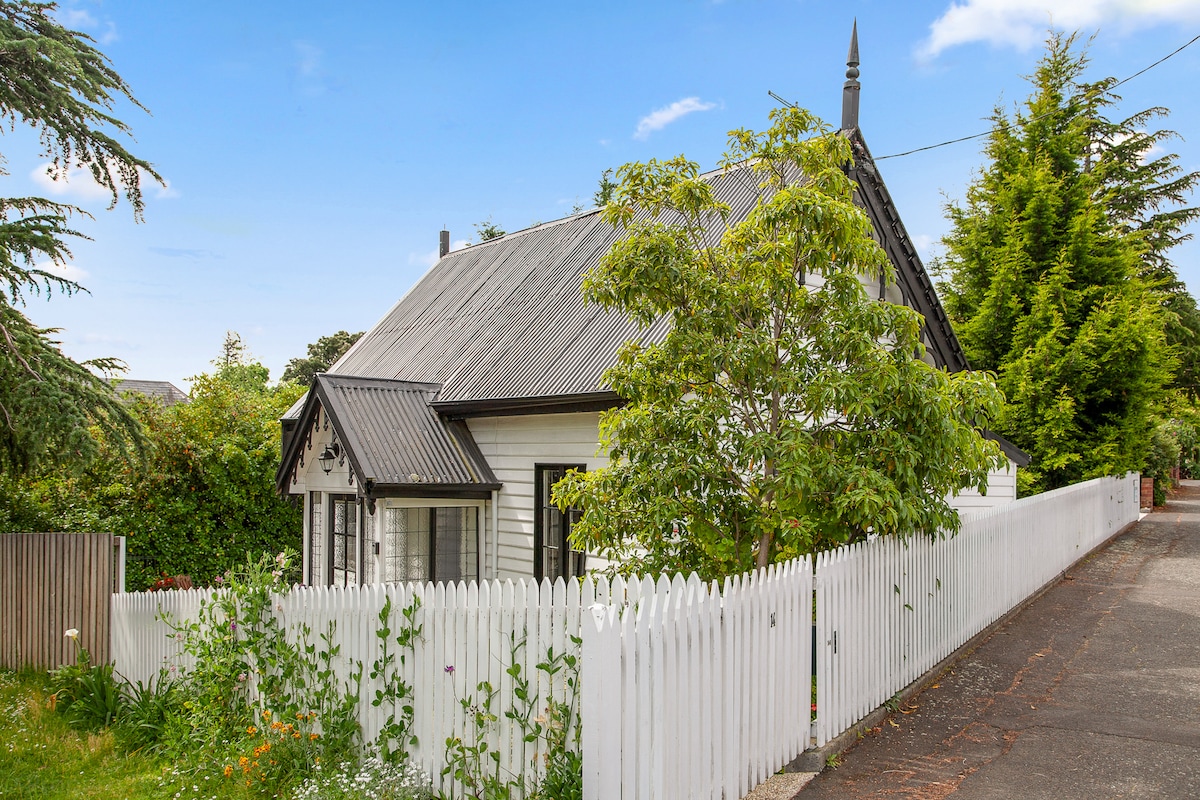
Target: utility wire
1032 119
1039 116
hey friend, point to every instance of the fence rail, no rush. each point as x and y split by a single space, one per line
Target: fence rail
53 582
687 689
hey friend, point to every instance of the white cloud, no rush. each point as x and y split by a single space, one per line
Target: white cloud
68 271
78 184
75 183
165 191
1023 23
657 120
78 19
430 258
308 58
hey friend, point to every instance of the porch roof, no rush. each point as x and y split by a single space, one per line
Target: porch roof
396 444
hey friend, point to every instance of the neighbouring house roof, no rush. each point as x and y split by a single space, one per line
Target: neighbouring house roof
396 444
164 391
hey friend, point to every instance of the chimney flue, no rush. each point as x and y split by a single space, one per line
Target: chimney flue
443 243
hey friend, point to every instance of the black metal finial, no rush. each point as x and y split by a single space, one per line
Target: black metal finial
850 89
852 57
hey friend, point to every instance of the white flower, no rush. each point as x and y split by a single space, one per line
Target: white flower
73 633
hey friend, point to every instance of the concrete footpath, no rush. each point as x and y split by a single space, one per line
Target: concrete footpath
1090 692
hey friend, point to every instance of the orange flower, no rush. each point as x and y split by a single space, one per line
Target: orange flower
252 730
266 713
296 735
243 761
312 737
228 770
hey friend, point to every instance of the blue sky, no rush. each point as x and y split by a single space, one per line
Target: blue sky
314 150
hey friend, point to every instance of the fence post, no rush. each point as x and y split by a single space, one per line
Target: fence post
119 564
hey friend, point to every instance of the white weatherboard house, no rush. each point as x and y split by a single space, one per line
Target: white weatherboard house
428 451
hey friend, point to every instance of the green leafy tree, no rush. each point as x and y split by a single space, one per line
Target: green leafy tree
1058 276
489 230
54 81
774 419
604 191
321 356
201 499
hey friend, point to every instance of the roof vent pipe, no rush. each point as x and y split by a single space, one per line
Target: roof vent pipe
443 243
851 88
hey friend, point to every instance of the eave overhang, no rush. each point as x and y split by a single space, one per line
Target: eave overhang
518 406
914 281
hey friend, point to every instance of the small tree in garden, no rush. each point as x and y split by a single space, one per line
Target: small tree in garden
321 356
202 497
774 419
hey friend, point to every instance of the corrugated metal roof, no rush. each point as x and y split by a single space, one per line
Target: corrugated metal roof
393 439
506 319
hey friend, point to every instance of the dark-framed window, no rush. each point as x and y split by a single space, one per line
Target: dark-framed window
344 533
431 543
552 553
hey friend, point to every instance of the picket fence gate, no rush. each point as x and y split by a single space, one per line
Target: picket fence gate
687 689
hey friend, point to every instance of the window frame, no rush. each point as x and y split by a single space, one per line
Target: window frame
474 508
542 504
318 563
352 555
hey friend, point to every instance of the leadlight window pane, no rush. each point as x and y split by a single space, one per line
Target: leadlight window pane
420 561
316 540
351 542
431 544
345 541
395 545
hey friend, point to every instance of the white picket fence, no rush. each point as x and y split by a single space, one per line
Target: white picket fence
702 691
888 611
687 689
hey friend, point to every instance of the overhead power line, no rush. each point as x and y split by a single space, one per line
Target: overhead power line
988 132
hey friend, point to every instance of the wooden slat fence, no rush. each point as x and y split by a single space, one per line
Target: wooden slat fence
888 611
50 583
471 633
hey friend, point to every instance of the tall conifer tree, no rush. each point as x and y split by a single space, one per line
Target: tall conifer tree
1058 274
54 81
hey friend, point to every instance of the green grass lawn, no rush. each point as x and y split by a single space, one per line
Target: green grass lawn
41 757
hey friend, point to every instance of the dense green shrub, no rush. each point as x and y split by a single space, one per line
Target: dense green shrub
197 502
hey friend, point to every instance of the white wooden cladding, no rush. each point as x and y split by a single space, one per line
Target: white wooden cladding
888 611
688 689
